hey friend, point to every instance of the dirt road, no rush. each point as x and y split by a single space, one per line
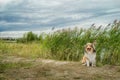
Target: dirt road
17 68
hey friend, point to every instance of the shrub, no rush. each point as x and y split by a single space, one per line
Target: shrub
28 37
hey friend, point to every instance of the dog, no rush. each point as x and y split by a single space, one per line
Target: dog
89 57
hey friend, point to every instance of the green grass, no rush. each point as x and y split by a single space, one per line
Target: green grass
69 44
32 50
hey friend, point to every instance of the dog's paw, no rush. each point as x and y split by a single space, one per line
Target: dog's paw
84 64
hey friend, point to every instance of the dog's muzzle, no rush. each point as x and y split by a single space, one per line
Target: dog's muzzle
89 49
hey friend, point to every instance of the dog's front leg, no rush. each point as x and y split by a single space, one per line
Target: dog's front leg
88 63
94 63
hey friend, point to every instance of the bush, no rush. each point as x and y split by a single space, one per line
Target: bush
28 37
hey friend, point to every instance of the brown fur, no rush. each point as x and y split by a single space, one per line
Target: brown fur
84 59
89 54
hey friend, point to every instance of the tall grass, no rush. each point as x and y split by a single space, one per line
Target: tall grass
68 44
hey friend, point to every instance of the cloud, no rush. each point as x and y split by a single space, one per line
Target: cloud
45 14
5 2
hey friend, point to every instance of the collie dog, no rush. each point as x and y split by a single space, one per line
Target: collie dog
89 57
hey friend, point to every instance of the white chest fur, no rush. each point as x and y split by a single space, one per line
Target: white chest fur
91 58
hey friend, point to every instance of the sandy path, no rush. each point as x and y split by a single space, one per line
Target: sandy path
41 69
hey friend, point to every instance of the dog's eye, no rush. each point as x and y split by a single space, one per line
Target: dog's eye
91 46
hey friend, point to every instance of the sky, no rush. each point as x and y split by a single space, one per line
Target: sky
39 15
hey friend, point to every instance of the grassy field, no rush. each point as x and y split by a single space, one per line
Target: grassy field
68 44
29 58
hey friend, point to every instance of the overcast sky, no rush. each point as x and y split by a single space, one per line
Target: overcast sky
37 15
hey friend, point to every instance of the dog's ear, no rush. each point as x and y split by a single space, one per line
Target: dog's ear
94 44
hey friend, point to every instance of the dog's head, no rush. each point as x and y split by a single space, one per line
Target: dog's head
90 47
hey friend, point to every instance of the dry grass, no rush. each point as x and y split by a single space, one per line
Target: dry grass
31 50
